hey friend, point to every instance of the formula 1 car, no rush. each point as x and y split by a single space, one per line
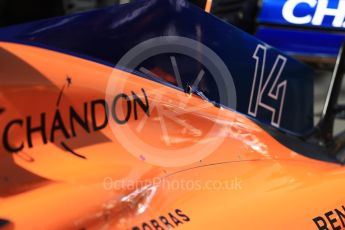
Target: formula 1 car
157 115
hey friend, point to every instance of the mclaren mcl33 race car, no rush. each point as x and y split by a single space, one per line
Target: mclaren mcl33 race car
158 115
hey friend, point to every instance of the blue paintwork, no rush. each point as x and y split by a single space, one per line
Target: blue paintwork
302 39
106 35
305 43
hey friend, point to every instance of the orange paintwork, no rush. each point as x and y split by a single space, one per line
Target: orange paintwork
45 187
208 6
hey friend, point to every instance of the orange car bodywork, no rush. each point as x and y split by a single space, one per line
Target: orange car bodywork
250 181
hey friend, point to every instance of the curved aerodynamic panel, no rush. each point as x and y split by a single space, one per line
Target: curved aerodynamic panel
257 79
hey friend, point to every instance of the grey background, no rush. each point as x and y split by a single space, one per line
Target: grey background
322 82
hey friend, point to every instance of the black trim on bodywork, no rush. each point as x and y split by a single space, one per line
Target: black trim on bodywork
301 145
6 224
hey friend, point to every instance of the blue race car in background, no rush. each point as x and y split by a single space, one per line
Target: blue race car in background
306 28
312 30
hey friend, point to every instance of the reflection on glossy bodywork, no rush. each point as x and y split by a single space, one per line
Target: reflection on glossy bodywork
248 167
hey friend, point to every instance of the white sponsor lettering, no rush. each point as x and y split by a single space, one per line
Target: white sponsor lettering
321 10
